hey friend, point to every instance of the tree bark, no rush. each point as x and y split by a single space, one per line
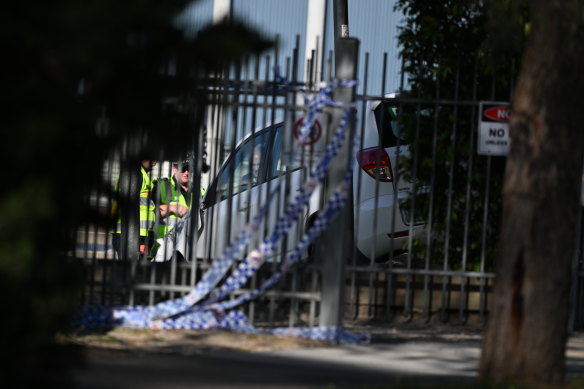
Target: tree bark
525 339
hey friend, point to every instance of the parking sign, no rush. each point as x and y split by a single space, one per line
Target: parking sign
493 137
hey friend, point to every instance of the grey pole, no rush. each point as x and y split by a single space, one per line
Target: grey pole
341 19
336 244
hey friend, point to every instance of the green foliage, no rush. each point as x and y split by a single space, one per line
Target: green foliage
457 51
65 65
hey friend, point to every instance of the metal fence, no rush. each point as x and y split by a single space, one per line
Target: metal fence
425 207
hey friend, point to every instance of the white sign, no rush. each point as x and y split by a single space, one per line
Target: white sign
493 137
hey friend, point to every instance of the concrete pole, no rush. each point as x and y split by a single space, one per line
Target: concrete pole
336 244
314 39
221 11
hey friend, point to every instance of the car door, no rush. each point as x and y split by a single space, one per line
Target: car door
275 188
228 202
283 181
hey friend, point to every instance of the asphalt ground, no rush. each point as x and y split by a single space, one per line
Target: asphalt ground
327 367
409 359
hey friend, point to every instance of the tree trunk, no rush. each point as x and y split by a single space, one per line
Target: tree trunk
525 339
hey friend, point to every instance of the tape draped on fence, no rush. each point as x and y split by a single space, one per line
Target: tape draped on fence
193 311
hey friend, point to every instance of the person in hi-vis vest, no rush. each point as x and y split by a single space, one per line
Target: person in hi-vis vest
146 212
174 197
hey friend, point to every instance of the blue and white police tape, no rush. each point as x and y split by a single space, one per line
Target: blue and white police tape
180 313
332 207
268 246
233 320
252 263
209 315
222 264
315 104
237 321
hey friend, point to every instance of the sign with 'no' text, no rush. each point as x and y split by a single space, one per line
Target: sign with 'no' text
493 136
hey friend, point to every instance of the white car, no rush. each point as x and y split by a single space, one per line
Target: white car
254 168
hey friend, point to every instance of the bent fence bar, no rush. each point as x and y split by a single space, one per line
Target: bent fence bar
439 265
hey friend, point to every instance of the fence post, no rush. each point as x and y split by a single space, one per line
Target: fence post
335 244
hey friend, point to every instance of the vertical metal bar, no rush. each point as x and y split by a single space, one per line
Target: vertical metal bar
312 308
184 273
194 262
218 126
244 80
131 295
373 277
199 143
484 240
288 144
482 285
447 280
329 67
392 285
268 99
103 281
353 292
310 64
471 148
396 179
252 304
429 280
294 305
274 99
373 254
293 311
408 303
234 120
173 278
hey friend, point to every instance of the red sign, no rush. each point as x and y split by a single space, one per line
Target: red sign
501 114
313 135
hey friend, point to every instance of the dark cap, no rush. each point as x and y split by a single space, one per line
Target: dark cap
187 159
184 162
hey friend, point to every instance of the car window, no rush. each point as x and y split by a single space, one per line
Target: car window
386 118
249 166
244 168
275 165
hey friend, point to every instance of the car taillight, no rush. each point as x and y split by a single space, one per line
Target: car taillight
375 162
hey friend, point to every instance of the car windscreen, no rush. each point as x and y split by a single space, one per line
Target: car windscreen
242 170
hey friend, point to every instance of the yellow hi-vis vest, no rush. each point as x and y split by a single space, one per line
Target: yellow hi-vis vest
147 207
175 197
